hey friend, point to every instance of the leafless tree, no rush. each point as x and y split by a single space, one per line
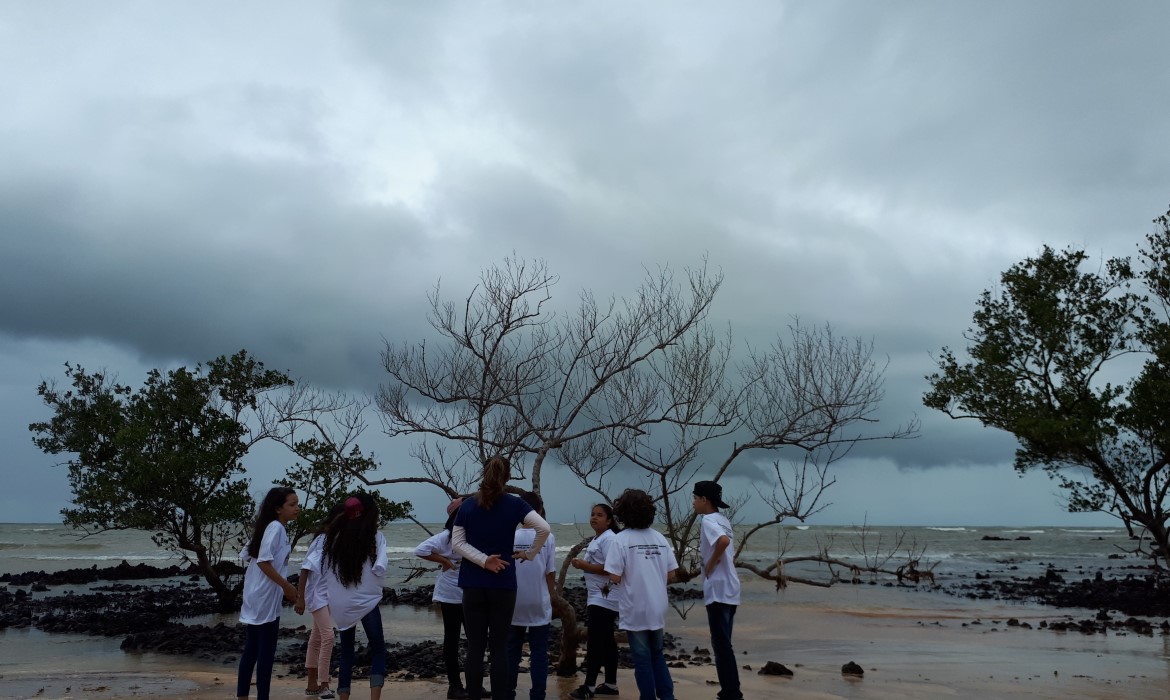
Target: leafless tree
640 382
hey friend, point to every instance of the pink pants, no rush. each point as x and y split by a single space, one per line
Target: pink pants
320 644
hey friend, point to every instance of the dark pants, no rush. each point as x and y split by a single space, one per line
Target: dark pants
721 618
259 652
452 629
487 615
537 658
372 624
602 650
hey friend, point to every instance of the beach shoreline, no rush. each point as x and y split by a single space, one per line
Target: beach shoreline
914 642
912 645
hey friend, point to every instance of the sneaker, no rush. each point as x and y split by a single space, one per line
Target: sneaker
312 693
326 693
581 693
605 689
456 693
485 693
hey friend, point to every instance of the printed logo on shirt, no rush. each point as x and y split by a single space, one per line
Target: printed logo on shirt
648 551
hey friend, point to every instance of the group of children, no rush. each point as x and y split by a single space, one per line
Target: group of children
340 584
497 555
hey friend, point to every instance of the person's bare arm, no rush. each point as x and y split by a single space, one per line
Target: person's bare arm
441 560
270 571
302 584
585 566
721 545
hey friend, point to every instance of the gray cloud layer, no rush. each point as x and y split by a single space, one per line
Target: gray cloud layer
180 182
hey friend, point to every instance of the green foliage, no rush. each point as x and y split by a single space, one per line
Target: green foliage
327 478
1075 363
165 458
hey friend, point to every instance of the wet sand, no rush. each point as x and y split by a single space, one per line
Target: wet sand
911 645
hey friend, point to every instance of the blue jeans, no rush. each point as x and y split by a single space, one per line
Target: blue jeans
650 671
721 618
537 661
259 653
372 624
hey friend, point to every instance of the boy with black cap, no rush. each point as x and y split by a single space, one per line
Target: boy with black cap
720 583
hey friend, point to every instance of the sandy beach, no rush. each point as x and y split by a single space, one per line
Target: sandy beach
911 645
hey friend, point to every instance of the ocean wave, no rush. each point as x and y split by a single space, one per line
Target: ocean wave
108 557
1111 531
948 529
88 546
36 529
1027 532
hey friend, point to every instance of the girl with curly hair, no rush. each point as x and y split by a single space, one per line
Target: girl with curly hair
642 561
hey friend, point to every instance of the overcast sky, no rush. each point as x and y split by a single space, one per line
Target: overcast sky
179 181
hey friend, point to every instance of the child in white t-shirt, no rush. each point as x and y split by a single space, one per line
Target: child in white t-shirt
720 583
313 597
641 560
532 616
603 604
448 595
353 562
266 556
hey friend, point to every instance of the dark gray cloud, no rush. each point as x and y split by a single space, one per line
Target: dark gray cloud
178 184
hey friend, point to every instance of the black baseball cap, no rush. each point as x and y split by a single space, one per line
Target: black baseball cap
712 491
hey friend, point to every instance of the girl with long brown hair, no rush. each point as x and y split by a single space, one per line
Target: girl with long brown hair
266 556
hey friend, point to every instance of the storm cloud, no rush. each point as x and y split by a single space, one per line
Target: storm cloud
179 182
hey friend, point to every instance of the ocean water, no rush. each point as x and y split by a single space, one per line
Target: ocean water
953 552
869 613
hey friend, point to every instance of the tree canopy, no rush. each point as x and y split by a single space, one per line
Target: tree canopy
167 457
1074 361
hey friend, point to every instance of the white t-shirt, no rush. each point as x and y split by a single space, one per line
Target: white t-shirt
722 586
601 591
642 558
347 606
316 593
447 588
262 595
533 606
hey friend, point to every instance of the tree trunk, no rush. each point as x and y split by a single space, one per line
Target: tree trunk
571 636
1161 537
227 597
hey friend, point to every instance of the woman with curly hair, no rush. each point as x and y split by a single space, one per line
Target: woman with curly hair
354 566
641 560
484 529
602 606
266 557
